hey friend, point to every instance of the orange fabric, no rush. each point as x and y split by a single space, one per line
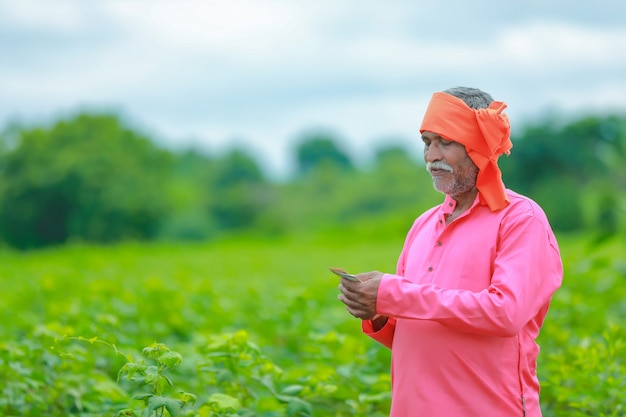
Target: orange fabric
485 133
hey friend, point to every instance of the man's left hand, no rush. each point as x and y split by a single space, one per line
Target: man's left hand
360 297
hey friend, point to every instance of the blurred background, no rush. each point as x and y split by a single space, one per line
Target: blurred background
191 120
186 171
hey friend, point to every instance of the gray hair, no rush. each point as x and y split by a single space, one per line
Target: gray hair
473 97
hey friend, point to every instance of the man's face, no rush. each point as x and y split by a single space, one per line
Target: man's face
453 172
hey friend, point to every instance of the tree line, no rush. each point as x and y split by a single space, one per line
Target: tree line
92 178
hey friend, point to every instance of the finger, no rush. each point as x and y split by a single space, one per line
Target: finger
349 292
351 299
349 283
357 309
357 312
354 304
347 301
350 307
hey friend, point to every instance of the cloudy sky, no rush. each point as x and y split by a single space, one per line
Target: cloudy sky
259 73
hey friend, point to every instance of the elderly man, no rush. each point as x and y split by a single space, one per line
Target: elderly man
473 282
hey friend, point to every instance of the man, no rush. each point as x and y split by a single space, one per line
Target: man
473 281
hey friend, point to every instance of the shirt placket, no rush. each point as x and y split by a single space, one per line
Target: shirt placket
436 251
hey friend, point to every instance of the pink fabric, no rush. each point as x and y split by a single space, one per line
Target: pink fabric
465 306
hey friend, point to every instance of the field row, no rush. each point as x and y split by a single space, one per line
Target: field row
247 327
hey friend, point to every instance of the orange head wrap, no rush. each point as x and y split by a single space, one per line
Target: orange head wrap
485 133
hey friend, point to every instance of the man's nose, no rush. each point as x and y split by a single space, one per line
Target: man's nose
432 153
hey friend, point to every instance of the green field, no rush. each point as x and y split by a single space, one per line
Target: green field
254 327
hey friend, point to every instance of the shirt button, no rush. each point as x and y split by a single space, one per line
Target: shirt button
450 204
440 221
439 243
430 269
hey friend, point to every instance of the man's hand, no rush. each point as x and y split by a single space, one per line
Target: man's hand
360 297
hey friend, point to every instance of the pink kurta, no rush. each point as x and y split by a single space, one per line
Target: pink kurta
465 307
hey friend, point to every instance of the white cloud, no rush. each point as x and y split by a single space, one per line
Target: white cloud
263 70
204 24
59 16
549 46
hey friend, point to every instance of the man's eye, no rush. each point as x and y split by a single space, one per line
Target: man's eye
446 142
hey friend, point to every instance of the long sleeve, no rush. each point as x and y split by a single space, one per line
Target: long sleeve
526 272
383 336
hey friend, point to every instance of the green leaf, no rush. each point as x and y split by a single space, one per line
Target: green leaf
224 375
224 402
130 369
268 382
171 359
299 408
155 402
187 397
126 413
143 397
155 350
293 389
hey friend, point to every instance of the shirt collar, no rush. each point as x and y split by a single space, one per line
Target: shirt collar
449 204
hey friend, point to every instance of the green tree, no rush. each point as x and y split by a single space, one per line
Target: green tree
318 150
88 178
571 169
239 192
189 197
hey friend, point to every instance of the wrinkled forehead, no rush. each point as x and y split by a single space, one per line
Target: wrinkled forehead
430 136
